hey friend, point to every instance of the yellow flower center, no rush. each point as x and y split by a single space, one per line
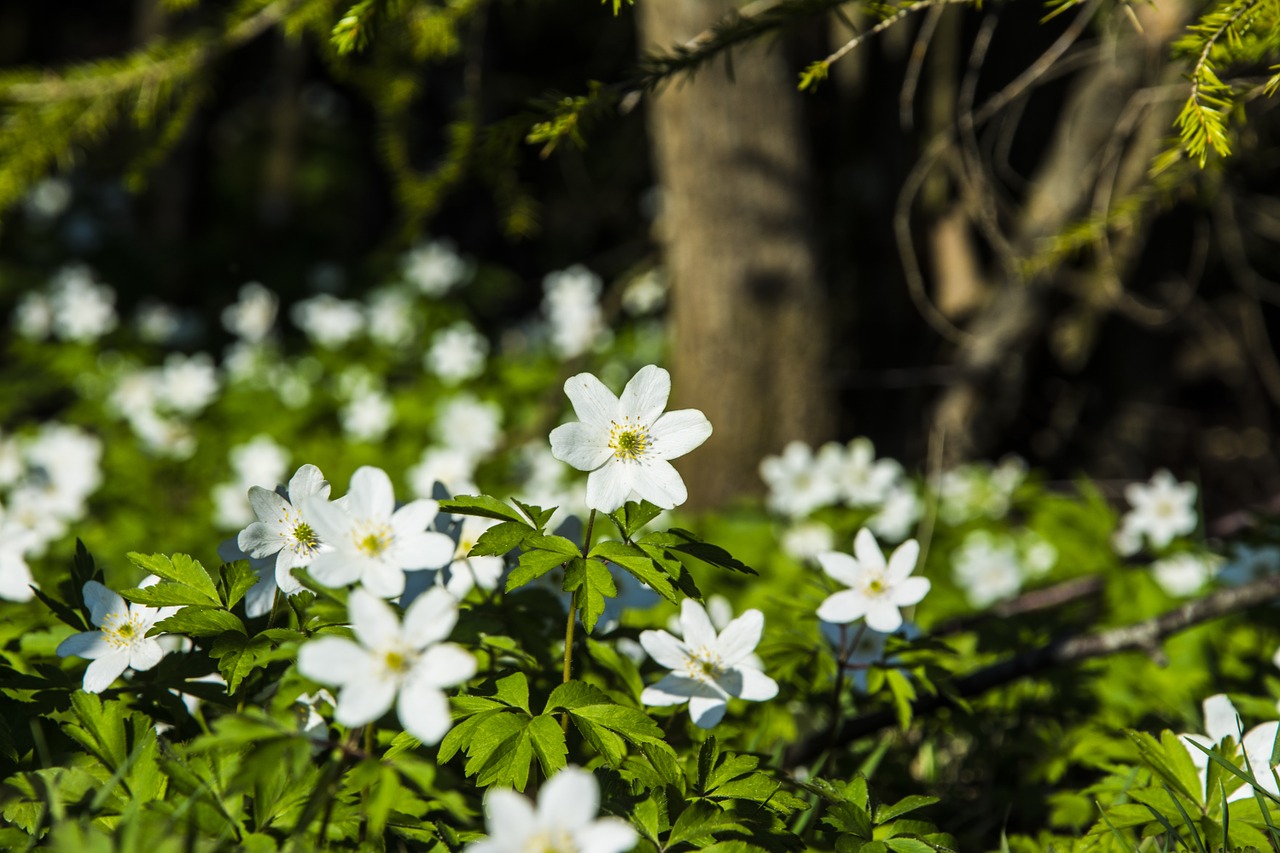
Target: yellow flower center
628 440
373 540
551 841
705 665
306 537
122 631
398 661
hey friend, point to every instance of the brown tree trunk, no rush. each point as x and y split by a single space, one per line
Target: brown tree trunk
747 310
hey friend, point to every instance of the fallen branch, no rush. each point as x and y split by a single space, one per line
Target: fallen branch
1144 636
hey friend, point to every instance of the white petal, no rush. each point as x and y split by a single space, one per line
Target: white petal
569 800
104 670
755 685
676 433
659 483
706 711
593 403
665 649
883 616
261 597
867 551
423 550
415 516
1198 758
334 568
268 506
840 566
1220 719
910 591
286 561
740 637
364 699
371 495
646 394
373 620
86 644
607 835
671 689
509 817
145 654
333 660
424 712
843 607
696 626
382 579
444 665
1258 745
329 519
584 446
102 603
430 618
259 540
15 578
609 486
903 561
308 482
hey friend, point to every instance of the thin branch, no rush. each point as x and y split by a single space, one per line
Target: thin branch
1034 601
1143 636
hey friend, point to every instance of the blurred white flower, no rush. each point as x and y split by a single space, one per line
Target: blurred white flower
391 321
48 199
69 461
986 568
469 425
158 322
122 642
435 268
188 384
457 353
163 435
453 469
33 316
572 309
327 321
251 317
83 309
707 669
1163 509
12 465
799 482
808 539
877 589
466 573
16 542
259 461
1184 574
899 513
864 480
368 416
390 659
979 491
645 294
564 822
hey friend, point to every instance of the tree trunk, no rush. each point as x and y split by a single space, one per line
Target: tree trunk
747 311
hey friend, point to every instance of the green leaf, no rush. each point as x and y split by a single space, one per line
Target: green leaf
180 569
909 845
499 539
238 655
699 822
904 693
632 516
237 579
196 621
514 691
592 583
639 564
1172 764
539 515
533 565
575 694
556 544
483 506
548 742
708 553
618 664
168 594
884 814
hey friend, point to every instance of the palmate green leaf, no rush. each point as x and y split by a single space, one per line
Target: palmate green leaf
538 738
237 579
238 655
483 506
182 570
698 824
632 516
760 788
539 515
514 691
592 583
501 538
196 621
641 566
533 565
606 725
1171 762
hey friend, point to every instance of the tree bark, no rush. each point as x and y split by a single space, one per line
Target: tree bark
747 310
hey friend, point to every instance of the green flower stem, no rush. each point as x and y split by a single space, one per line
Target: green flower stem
573 613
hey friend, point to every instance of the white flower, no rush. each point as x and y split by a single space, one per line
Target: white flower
898 514
251 317
390 659
435 268
564 821
645 294
876 589
572 307
1221 720
466 573
1184 574
626 442
83 309
457 353
48 199
707 668
863 480
158 322
368 416
16 541
391 320
259 460
328 321
469 425
188 384
808 539
1162 510
453 469
281 530
122 643
799 482
33 316
373 542
986 568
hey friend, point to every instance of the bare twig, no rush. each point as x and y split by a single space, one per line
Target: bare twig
1144 636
